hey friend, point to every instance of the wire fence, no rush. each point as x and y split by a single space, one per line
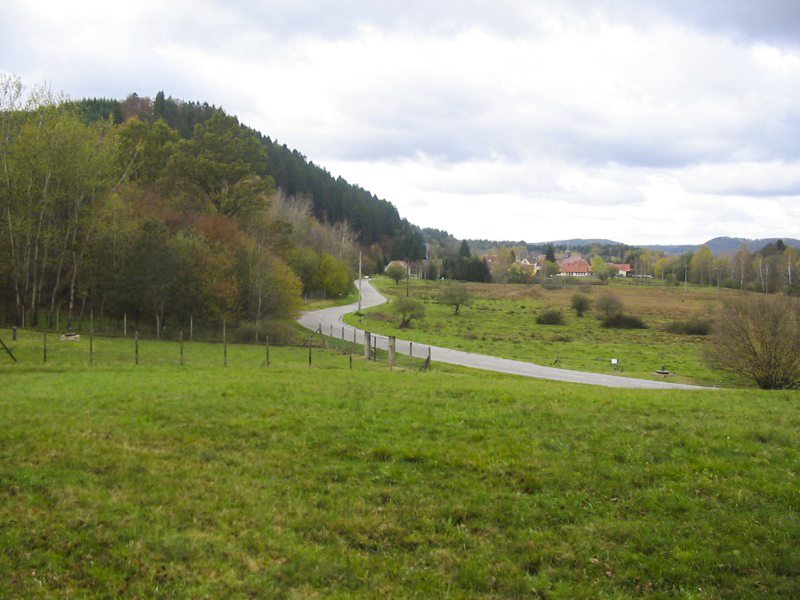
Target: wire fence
101 348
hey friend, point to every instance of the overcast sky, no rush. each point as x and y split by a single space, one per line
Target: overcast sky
659 121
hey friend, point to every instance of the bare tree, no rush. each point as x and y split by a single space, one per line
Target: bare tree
758 336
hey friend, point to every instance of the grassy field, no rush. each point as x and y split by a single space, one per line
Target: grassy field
203 481
501 321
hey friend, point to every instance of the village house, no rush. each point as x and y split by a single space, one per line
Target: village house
574 265
623 270
531 265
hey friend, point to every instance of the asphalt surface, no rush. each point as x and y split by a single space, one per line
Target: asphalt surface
329 321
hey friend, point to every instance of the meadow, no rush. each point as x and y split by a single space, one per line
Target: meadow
501 321
205 481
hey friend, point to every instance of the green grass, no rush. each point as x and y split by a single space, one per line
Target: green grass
290 482
501 321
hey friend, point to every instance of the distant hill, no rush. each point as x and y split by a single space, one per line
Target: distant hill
719 246
723 246
575 242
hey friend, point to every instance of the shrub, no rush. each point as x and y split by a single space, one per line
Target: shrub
550 317
581 304
609 305
553 283
408 309
281 333
758 336
694 326
622 321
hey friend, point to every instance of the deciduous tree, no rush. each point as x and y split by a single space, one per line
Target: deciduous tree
396 271
455 295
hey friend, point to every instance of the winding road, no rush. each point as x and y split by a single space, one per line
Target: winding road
329 321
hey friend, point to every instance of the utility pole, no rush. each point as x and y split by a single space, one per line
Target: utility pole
408 274
685 277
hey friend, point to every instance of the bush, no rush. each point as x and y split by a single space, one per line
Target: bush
758 336
622 321
554 283
408 309
550 317
694 326
580 304
281 333
609 305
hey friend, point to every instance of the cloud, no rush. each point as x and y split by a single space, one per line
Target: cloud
776 178
560 117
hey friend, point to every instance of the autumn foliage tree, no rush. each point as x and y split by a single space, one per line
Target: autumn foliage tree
132 218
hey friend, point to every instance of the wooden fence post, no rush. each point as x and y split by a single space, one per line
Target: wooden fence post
392 348
91 337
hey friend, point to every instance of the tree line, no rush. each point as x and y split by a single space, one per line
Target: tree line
773 268
162 210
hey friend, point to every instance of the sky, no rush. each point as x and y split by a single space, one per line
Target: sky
657 122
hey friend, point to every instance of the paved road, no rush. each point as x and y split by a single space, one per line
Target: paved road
330 321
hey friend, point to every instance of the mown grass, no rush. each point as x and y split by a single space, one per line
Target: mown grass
294 482
501 321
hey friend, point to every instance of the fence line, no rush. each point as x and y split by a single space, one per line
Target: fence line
181 352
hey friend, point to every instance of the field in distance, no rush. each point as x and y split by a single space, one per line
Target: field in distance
501 321
294 481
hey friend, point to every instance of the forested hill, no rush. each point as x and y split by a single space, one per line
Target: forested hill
334 200
162 212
